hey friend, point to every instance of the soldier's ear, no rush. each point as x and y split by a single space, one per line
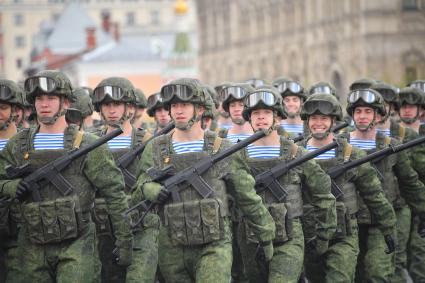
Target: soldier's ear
201 110
66 103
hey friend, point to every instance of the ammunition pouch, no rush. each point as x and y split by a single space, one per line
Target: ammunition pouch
8 227
101 218
195 222
343 228
54 221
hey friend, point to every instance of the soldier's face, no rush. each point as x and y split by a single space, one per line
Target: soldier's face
5 111
113 111
19 115
162 117
319 124
139 112
262 119
182 112
47 106
292 104
363 116
409 111
235 109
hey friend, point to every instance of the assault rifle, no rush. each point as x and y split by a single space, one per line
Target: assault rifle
374 157
190 176
334 129
51 171
269 178
125 160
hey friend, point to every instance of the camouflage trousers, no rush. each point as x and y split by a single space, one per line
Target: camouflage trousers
338 264
68 261
9 251
373 264
403 217
201 263
286 264
416 254
238 268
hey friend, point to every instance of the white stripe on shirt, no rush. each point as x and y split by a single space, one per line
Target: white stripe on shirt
256 151
293 128
3 143
326 155
48 141
120 142
192 146
234 138
386 132
363 144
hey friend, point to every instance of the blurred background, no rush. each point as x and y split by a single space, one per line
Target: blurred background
153 41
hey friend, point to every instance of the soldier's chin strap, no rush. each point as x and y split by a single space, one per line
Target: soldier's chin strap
322 136
411 120
52 120
195 118
12 118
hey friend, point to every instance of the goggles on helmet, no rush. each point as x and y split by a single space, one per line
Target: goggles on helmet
321 107
418 85
6 92
410 98
256 82
234 91
183 92
388 95
294 87
321 89
265 97
366 95
154 99
45 84
114 92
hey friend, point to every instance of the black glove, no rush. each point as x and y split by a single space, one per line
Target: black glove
22 189
122 256
390 244
163 196
264 252
421 226
316 246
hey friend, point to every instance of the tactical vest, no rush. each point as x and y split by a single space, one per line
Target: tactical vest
100 213
387 177
194 220
56 218
292 206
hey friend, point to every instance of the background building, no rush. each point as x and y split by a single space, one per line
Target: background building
312 40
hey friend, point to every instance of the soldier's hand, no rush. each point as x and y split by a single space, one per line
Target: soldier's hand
264 252
22 189
122 256
421 226
155 192
390 244
317 246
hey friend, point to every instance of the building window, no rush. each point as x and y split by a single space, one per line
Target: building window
410 4
19 63
130 19
18 19
154 17
19 41
411 74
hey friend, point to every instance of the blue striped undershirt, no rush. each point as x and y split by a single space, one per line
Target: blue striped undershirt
257 151
48 141
3 143
326 155
192 146
386 132
226 126
120 142
234 138
363 144
293 128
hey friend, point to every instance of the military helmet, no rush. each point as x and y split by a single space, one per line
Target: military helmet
321 103
183 90
410 95
420 84
233 92
214 95
363 83
210 109
365 97
48 82
388 92
255 82
154 102
289 87
140 98
83 102
116 89
322 87
10 92
263 97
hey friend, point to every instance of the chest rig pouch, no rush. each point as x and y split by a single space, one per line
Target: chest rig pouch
347 205
292 206
194 220
57 217
8 223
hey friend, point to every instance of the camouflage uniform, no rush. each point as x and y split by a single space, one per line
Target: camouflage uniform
195 241
56 240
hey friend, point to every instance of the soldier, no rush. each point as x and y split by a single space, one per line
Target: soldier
141 105
261 108
80 111
56 240
158 112
399 181
411 108
338 264
114 98
10 98
293 97
232 96
195 241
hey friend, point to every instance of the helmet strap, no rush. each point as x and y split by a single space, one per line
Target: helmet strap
371 124
191 122
411 120
52 120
